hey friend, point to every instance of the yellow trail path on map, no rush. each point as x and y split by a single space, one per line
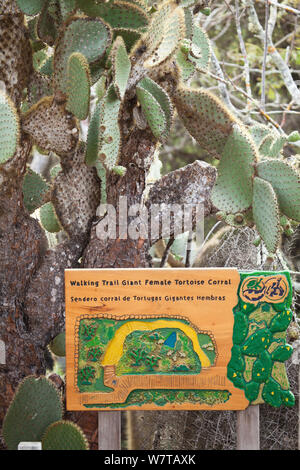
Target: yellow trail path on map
114 350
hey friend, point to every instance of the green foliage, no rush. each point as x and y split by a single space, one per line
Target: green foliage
49 219
266 213
121 67
64 435
88 36
79 85
9 128
138 355
58 345
258 350
86 375
35 406
35 188
94 353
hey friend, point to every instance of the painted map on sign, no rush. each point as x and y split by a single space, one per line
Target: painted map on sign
175 339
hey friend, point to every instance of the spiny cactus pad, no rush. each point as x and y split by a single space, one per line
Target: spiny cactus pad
110 138
35 189
58 345
130 36
47 27
233 190
156 106
30 7
186 67
51 127
153 112
89 36
173 33
9 128
93 137
76 195
272 144
155 31
16 55
121 66
259 132
285 182
117 14
205 117
48 218
79 86
141 3
67 7
266 213
35 406
64 435
200 49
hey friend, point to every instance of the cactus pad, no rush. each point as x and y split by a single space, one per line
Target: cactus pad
79 86
58 345
186 67
259 132
153 112
121 67
35 406
173 33
233 189
110 138
47 27
51 127
155 31
48 218
130 36
89 36
156 106
35 189
200 49
285 182
64 435
30 7
9 128
117 14
205 117
76 195
93 137
16 55
266 213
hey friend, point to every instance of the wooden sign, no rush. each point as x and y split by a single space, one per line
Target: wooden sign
175 339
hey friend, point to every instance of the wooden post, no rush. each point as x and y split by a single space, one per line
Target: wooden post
248 428
109 430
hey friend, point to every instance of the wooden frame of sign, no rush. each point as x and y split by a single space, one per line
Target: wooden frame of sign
159 338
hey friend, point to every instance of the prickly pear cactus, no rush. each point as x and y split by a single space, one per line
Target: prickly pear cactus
259 350
64 435
35 414
36 405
